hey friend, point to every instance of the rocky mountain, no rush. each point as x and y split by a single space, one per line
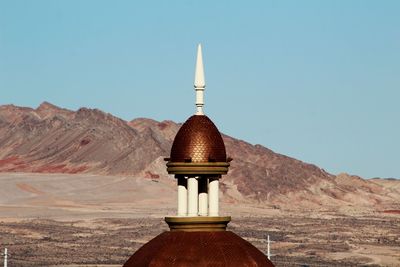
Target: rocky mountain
50 139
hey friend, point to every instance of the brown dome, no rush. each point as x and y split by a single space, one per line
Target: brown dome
198 249
198 140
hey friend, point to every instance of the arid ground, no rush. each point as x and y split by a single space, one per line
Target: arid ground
88 220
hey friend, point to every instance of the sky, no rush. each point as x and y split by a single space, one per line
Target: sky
315 80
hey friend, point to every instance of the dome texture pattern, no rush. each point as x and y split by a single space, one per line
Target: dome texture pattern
198 249
198 140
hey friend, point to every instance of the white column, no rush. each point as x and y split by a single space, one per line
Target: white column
182 196
203 196
213 197
193 191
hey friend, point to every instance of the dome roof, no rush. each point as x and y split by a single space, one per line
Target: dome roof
198 140
198 249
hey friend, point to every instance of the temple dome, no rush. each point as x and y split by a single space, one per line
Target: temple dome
198 141
200 249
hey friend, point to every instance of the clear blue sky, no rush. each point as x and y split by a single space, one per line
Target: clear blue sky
315 80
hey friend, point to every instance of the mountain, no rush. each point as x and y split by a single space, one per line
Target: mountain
50 139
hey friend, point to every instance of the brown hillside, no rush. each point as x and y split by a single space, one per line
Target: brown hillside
50 139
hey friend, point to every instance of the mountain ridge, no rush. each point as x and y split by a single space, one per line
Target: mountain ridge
51 139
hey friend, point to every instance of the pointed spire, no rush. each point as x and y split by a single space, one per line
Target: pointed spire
199 82
199 74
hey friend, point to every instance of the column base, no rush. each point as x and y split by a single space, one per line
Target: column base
198 223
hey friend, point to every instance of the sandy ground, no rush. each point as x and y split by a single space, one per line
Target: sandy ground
66 197
89 220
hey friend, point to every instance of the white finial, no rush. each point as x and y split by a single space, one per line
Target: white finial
199 82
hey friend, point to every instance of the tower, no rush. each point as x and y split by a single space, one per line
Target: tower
198 160
198 236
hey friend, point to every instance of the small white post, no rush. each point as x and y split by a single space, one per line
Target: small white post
5 257
213 191
268 248
193 196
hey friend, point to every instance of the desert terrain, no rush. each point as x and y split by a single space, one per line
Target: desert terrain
85 188
95 220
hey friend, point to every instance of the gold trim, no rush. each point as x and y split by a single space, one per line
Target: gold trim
197 168
199 164
198 224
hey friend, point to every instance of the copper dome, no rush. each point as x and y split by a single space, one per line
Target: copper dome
198 249
198 140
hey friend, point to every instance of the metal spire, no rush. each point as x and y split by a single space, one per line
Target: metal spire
199 82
